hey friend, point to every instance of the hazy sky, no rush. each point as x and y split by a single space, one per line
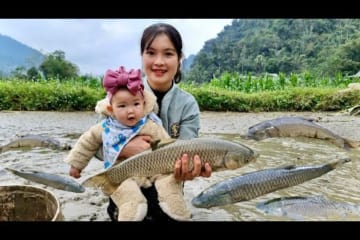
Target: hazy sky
96 45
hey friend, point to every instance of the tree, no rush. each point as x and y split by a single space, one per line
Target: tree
19 73
347 58
33 74
55 66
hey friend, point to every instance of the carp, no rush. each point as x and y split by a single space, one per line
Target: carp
34 141
52 180
251 185
302 208
296 127
221 154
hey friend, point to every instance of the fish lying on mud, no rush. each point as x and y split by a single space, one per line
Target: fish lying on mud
254 184
221 154
52 180
306 208
34 141
354 111
297 127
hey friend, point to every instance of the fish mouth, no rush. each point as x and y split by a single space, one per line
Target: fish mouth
80 189
252 159
196 202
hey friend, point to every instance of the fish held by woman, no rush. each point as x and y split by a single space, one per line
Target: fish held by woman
221 154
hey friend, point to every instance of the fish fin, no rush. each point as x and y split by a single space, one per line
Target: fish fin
272 131
159 143
290 166
19 170
101 181
310 119
28 170
154 144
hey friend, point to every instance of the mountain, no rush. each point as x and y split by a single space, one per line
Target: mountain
16 54
187 62
323 47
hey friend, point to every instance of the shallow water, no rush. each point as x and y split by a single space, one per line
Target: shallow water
340 184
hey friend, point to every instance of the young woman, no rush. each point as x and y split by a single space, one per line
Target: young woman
161 53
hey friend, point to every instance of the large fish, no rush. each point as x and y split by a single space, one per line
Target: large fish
221 154
254 184
52 180
34 141
296 127
303 208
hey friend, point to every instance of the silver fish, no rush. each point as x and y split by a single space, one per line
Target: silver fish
296 127
221 154
34 141
52 180
254 184
302 208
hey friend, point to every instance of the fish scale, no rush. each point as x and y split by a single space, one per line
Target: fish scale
162 160
251 185
34 141
49 179
221 154
300 208
297 127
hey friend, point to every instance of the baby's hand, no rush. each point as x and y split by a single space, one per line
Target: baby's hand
74 172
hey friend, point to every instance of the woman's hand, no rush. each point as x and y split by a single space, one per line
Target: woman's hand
75 172
137 145
182 172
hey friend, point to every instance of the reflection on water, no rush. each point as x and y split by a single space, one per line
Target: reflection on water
340 184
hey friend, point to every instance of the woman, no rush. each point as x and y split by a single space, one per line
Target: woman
161 53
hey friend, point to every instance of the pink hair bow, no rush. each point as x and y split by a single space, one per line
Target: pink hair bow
120 78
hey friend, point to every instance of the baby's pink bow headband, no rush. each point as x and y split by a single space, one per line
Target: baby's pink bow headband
113 80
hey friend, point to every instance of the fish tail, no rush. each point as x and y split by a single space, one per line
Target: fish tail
100 181
3 149
351 143
336 163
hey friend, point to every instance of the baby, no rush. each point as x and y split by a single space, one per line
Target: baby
129 110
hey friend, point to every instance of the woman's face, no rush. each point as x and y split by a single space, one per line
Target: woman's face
160 62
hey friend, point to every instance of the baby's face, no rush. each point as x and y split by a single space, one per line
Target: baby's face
127 108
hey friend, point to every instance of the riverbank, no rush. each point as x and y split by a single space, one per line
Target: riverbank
91 205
